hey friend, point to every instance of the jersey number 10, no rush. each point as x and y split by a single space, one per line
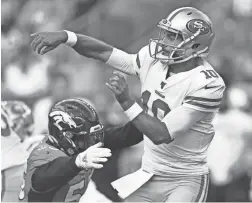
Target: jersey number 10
210 74
157 105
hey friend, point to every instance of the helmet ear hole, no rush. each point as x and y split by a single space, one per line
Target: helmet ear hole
195 46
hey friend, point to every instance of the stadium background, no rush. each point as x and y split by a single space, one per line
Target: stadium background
40 81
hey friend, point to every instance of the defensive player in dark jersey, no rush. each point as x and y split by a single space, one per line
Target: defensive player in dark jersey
59 169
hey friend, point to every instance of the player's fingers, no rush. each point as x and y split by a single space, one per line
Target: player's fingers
34 34
118 85
42 51
101 150
114 79
113 88
121 80
99 144
110 87
39 47
47 49
109 154
96 166
119 74
103 154
98 160
115 83
35 42
117 88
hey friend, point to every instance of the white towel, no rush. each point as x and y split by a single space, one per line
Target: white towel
130 183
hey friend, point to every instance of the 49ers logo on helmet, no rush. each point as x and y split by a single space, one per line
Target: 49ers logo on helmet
198 24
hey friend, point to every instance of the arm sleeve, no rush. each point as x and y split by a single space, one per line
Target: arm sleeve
206 97
182 119
123 136
127 63
54 174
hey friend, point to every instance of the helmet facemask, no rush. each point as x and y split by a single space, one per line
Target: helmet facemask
84 140
74 126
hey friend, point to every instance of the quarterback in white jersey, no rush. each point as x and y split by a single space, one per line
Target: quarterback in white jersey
172 100
181 93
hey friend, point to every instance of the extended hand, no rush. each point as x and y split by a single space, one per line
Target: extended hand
43 42
93 157
119 86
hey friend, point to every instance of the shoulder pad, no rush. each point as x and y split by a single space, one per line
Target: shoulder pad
43 153
206 90
206 77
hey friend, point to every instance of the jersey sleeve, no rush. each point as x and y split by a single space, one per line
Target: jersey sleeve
139 59
205 94
127 63
37 158
182 118
41 155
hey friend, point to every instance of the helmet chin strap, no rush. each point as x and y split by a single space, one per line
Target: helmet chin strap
201 53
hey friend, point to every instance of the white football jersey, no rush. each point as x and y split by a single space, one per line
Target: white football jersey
12 151
13 159
187 103
14 156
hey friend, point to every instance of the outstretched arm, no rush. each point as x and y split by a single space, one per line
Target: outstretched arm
55 173
93 48
87 46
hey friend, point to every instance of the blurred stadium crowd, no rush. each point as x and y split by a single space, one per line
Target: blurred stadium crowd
39 81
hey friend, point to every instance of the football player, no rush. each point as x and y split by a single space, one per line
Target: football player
181 93
60 167
16 125
20 118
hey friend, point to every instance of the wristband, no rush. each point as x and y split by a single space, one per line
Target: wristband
71 38
133 111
